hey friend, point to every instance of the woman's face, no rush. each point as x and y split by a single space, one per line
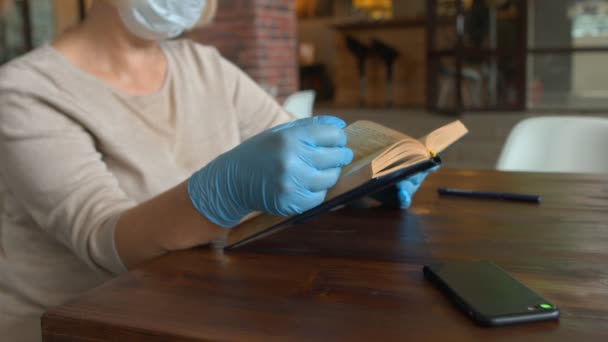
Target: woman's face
159 19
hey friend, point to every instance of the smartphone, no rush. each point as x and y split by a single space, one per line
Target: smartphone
488 294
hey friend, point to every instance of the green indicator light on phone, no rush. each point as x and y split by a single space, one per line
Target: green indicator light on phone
546 306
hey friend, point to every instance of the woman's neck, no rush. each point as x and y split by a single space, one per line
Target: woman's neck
101 45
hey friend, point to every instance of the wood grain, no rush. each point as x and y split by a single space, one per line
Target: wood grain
356 274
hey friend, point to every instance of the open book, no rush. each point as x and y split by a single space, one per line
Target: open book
382 157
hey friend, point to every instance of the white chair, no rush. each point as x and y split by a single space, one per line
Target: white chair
557 144
300 104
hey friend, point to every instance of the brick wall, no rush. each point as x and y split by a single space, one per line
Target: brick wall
260 37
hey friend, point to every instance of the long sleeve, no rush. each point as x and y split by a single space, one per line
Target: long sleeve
76 153
256 110
50 164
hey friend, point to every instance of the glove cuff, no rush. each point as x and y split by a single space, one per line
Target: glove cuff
209 202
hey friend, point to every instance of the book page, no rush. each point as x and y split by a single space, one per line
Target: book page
400 153
440 139
367 139
406 162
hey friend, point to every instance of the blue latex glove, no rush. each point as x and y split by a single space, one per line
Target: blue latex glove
400 195
283 171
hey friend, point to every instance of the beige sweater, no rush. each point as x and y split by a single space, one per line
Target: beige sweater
75 153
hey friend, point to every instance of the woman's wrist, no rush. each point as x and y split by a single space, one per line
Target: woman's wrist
212 189
189 227
165 223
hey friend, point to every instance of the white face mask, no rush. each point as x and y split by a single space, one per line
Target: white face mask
160 19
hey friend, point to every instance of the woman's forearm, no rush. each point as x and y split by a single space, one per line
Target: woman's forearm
282 172
168 222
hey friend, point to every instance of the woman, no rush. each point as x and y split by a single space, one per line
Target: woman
117 146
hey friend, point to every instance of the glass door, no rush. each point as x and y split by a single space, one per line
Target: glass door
567 53
476 55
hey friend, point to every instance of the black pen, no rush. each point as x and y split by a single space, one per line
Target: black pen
491 195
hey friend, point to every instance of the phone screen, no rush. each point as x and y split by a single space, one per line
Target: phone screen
489 294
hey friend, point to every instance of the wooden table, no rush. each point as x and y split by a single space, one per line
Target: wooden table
357 274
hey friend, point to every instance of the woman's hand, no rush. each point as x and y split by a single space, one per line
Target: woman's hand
400 195
283 171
